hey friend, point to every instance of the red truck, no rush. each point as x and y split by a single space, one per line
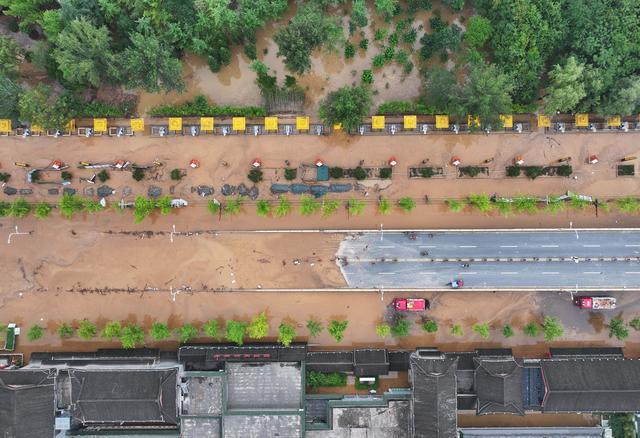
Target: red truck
595 303
410 304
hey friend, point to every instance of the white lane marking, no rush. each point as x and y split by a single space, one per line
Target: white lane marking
386 246
427 246
386 273
591 272
508 246
549 246
591 246
632 272
426 273
631 246
550 273
508 273
467 246
467 273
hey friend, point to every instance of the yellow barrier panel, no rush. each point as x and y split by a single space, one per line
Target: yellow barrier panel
5 125
582 120
337 127
71 125
206 124
442 122
137 125
614 121
302 123
544 121
175 124
239 123
507 121
410 122
100 125
271 123
473 121
377 122
36 129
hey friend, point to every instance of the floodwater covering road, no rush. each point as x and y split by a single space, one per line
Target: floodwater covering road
493 259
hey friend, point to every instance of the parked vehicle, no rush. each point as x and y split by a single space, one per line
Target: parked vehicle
457 283
595 303
410 304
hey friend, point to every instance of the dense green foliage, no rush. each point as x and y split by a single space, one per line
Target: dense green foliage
200 107
347 105
316 379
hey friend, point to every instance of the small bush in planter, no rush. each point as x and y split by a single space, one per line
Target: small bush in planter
385 173
66 176
564 170
426 172
255 175
4 177
176 174
137 174
513 171
359 173
471 171
290 174
103 175
534 171
336 172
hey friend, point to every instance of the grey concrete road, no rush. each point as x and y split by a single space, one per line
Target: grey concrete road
496 260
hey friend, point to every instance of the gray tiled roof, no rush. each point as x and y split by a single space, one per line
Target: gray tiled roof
498 383
264 385
26 404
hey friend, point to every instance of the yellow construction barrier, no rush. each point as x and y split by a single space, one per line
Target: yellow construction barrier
507 121
99 125
337 127
175 124
5 125
271 124
582 120
206 124
410 122
36 129
71 125
239 123
442 122
377 122
137 125
544 121
614 121
473 121
302 123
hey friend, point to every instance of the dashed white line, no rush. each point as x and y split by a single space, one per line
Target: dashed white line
632 272
427 246
426 273
467 246
508 246
591 246
508 273
386 246
632 246
386 273
550 273
467 273
549 246
591 272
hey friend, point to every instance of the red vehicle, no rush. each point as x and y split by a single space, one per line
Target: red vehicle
595 303
410 304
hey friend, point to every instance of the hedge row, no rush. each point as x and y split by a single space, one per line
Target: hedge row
200 107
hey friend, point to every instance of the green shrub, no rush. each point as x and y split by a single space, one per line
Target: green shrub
233 206
137 174
4 177
504 206
314 327
364 44
355 207
552 328
401 328
455 206
255 175
367 76
42 210
336 329
286 334
19 208
359 173
309 206
635 323
513 171
457 330
384 206
564 170
290 174
525 204
103 175
349 50
471 171
507 331
283 207
213 207
258 328
35 332
532 329
484 330
430 326
317 379
112 330
132 336
481 201
186 333
65 331
176 174
404 107
533 172
618 329
385 172
200 107
235 331
160 331
628 204
378 61
263 208
329 206
86 329
407 204
426 172
383 330
211 329
336 172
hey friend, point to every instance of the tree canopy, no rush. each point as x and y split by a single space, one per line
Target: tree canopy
347 106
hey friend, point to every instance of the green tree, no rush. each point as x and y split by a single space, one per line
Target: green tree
407 204
112 330
159 331
355 207
481 201
10 57
213 206
309 206
401 329
347 106
28 11
42 210
635 323
314 327
336 329
359 15
19 208
486 94
484 330
41 106
507 331
532 329
309 29
35 332
83 53
164 205
283 207
131 336
142 208
286 333
176 175
186 333
457 330
566 88
211 329
554 204
455 206
235 331
65 330
386 8
383 330
478 31
259 326
233 206
628 204
329 206
441 91
9 98
618 329
384 206
622 100
87 330
525 204
430 326
263 208
150 64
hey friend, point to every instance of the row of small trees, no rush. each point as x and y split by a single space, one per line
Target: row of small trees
133 335
551 328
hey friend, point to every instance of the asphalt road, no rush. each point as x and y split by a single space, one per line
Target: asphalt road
500 260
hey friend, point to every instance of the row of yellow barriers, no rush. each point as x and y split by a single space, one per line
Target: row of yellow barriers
239 124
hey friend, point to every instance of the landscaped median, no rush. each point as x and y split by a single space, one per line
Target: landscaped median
143 207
